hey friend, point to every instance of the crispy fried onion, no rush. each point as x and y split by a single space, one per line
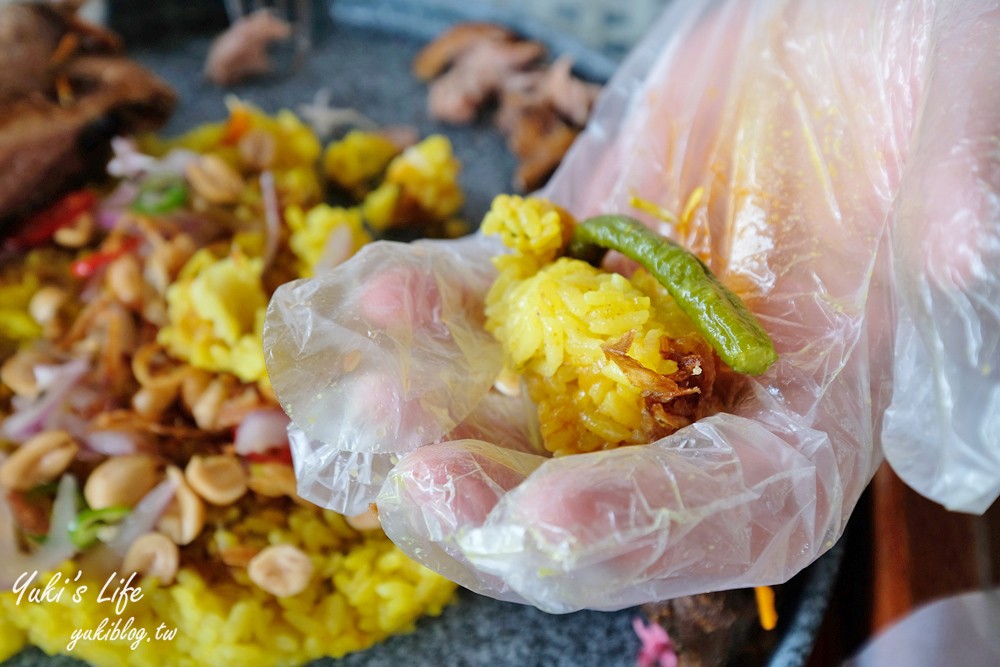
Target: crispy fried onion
672 401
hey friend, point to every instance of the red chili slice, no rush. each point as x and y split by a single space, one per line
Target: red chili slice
40 227
88 265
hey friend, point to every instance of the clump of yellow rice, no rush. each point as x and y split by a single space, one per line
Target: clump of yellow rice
355 162
311 229
364 589
553 315
421 185
216 315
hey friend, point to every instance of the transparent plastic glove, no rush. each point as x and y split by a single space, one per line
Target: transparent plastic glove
942 431
789 128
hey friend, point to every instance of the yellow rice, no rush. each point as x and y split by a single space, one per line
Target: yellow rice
364 590
553 318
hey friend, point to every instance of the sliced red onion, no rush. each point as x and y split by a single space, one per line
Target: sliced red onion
58 546
114 205
33 417
272 216
260 431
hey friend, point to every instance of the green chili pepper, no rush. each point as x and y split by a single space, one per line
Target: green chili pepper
160 195
718 314
84 528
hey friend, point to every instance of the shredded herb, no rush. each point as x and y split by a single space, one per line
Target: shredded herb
85 527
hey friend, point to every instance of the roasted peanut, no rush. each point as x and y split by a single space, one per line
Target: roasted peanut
18 373
76 234
154 311
508 383
124 279
45 304
152 402
206 409
153 555
257 149
272 479
167 259
350 361
220 479
121 480
157 269
235 409
153 367
184 518
238 555
193 385
281 569
182 247
364 522
214 180
41 459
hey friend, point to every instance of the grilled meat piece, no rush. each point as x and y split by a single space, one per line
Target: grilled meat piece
65 90
714 629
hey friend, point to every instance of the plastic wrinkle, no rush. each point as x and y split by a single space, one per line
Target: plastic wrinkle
846 158
338 479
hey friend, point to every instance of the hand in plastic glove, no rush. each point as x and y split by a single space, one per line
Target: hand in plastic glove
821 137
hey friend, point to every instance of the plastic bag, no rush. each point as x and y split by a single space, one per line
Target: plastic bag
942 431
783 131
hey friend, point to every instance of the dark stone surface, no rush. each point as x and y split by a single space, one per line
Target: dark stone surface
367 70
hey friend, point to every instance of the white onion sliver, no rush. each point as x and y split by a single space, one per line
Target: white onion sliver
337 249
260 431
128 162
8 541
58 547
142 518
272 216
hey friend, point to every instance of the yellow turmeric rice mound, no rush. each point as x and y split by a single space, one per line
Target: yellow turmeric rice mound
608 360
150 335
